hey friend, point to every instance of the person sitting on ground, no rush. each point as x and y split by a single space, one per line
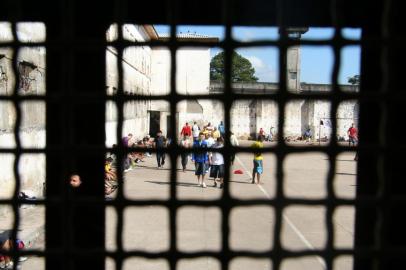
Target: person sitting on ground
110 177
6 244
147 143
136 156
307 135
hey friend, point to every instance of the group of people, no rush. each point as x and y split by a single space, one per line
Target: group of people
267 137
206 141
7 244
201 145
207 156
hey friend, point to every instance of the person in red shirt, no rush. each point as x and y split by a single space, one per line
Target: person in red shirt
352 135
186 130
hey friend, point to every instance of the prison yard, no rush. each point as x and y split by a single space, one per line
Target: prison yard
251 228
146 228
146 72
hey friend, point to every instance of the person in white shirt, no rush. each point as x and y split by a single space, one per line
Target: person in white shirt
195 131
210 140
234 142
217 163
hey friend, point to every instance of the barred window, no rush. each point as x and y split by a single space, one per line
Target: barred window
326 198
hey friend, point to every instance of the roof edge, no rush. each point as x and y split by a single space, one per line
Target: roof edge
150 29
197 39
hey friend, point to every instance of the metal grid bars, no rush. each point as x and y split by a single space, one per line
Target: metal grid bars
22 104
76 101
227 202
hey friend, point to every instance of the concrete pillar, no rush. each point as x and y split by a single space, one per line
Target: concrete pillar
293 60
293 68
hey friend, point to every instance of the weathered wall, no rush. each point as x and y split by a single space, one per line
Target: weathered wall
347 114
31 71
136 66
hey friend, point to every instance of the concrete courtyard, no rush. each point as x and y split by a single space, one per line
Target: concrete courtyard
251 228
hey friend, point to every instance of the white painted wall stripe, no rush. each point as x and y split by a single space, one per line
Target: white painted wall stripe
286 218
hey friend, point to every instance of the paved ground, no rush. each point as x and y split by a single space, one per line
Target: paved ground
251 228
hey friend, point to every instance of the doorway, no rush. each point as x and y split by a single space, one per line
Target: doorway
154 122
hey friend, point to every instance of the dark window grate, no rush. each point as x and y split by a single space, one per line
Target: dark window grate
75 102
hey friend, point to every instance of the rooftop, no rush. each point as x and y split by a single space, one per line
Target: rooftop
190 37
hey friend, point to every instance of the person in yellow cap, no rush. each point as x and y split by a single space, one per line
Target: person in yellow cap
258 166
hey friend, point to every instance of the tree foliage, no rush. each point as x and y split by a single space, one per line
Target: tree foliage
241 68
354 80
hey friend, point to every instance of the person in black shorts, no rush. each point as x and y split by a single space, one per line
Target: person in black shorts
217 163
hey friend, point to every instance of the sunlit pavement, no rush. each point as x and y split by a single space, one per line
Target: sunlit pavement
251 228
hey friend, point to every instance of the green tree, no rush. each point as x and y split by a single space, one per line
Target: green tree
241 68
354 80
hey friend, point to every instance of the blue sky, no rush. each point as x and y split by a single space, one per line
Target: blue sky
316 61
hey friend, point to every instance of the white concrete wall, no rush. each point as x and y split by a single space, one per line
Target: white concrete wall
240 118
192 77
31 132
322 111
193 70
347 114
160 71
136 65
293 118
269 116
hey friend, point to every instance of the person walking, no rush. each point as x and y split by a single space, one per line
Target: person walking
352 135
234 142
200 159
258 158
184 143
217 163
195 131
353 138
159 144
186 130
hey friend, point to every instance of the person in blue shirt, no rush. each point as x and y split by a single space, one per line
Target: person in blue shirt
222 129
201 159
